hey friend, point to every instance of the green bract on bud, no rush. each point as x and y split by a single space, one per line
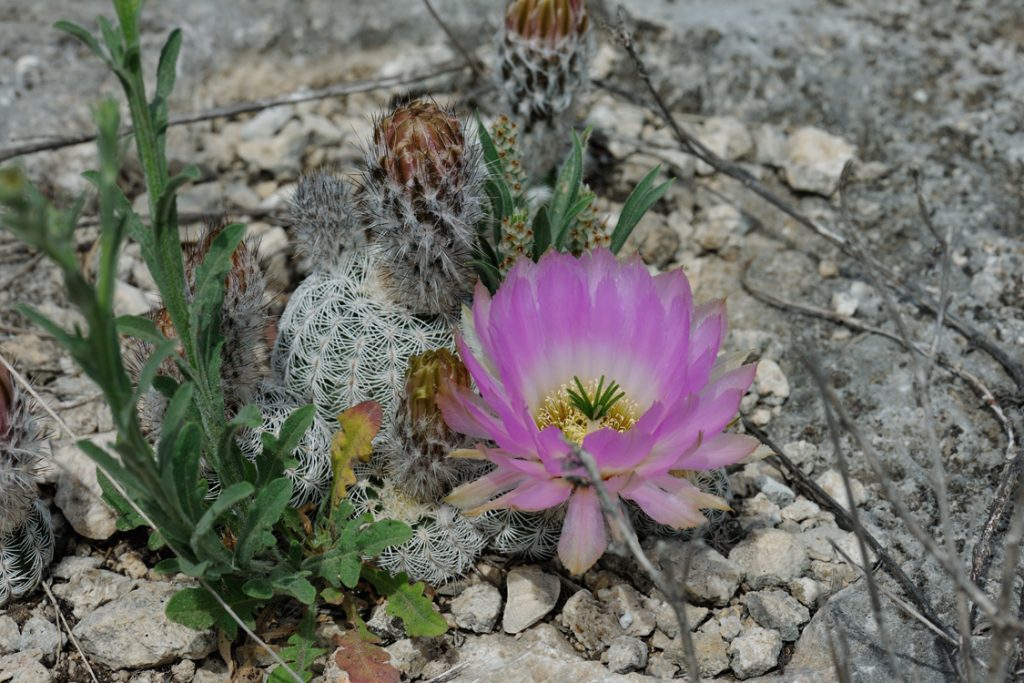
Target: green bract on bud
548 20
421 201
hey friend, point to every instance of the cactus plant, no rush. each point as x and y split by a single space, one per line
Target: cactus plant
26 534
417 455
326 224
445 542
342 339
421 202
543 55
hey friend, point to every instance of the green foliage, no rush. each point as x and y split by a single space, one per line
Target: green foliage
407 602
300 651
244 545
566 221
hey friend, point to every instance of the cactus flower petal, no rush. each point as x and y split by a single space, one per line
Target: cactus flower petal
600 353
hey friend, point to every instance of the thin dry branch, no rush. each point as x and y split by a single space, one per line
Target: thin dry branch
336 90
472 61
71 634
922 382
858 528
950 564
621 525
973 381
810 488
907 289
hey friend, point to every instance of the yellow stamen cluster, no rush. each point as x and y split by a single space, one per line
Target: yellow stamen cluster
560 410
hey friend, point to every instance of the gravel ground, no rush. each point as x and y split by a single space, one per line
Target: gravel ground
788 90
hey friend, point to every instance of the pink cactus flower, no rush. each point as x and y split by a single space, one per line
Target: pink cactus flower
600 353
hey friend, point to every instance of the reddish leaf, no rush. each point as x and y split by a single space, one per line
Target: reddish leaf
362 661
359 424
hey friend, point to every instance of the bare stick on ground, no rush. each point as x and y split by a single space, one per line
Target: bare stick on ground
810 488
71 635
858 528
472 61
922 383
622 527
337 90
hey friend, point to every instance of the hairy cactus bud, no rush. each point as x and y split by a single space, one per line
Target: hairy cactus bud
26 534
421 145
417 455
543 57
326 224
421 201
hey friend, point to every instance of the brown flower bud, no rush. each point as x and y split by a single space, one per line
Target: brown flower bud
547 20
428 374
421 145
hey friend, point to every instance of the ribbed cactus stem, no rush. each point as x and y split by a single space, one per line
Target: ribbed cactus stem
326 225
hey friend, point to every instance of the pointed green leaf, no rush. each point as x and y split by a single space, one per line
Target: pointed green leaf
384 534
166 70
417 612
261 589
266 510
140 328
83 35
194 608
644 196
224 502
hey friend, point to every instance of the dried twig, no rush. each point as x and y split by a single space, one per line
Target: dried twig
621 525
811 489
1001 650
201 216
907 289
840 657
858 528
922 382
124 494
471 61
337 90
898 601
448 675
71 635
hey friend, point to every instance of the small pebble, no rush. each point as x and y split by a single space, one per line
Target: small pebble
626 654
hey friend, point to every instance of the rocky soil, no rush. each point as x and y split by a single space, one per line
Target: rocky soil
791 90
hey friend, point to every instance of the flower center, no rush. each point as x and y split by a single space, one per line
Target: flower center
581 408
